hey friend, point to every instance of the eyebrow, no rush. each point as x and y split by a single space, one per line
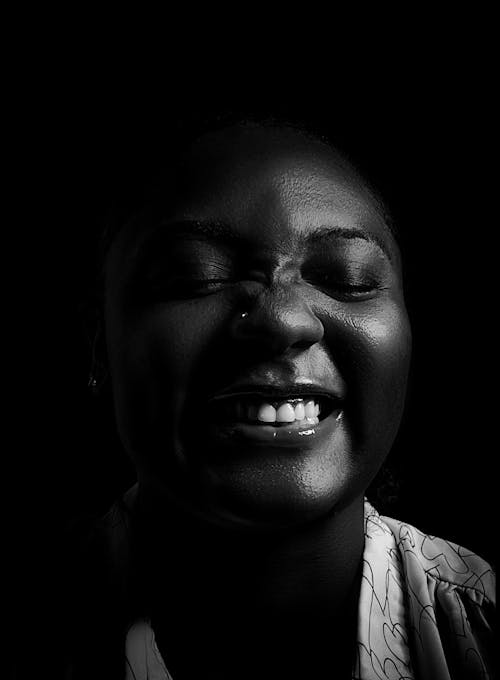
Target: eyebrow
212 230
221 232
320 234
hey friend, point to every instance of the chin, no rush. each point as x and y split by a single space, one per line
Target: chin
258 488
271 501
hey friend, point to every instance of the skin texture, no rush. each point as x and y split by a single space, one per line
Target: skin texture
166 354
287 521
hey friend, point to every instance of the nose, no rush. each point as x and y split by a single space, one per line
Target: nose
279 319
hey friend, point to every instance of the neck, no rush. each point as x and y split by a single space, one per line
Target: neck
311 571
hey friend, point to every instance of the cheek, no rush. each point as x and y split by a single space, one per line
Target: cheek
386 340
153 358
375 362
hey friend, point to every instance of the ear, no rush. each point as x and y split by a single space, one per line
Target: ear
93 322
99 361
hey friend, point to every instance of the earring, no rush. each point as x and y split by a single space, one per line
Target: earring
95 384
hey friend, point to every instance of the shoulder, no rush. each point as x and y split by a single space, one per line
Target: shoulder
447 593
92 594
443 561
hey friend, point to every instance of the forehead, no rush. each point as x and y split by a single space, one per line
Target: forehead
274 173
272 185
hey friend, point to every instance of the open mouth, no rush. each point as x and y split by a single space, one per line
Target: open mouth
272 410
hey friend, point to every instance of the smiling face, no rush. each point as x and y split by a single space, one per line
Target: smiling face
270 289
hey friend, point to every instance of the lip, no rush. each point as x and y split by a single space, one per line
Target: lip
277 390
239 434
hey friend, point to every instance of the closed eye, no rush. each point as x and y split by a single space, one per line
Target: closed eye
345 290
185 287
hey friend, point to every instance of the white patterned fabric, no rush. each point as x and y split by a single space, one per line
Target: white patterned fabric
423 606
424 611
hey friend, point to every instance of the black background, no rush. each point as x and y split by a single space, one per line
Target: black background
425 138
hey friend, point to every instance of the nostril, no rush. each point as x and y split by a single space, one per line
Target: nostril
302 344
278 327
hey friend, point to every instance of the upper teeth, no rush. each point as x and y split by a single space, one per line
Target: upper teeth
282 412
286 412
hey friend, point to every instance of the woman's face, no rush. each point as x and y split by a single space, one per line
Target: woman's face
272 287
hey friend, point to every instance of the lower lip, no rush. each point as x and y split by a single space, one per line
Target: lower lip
286 435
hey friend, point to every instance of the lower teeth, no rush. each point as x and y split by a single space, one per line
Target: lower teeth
302 423
305 422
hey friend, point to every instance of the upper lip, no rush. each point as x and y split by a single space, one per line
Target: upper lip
279 390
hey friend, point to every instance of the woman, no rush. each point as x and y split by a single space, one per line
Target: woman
255 334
